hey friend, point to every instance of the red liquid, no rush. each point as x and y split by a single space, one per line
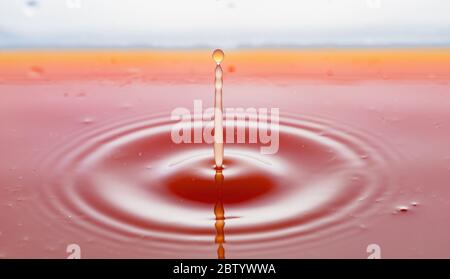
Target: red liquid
87 156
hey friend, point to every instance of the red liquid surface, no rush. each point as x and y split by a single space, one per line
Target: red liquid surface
87 158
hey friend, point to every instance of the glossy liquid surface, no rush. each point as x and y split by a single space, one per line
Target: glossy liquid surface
87 156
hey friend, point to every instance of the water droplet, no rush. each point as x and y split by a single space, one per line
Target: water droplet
402 209
88 120
140 154
437 125
218 56
414 203
231 69
35 72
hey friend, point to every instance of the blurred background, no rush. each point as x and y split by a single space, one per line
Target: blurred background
224 23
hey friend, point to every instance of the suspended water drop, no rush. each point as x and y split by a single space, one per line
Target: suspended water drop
218 56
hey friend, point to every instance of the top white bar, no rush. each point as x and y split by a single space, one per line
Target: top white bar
223 23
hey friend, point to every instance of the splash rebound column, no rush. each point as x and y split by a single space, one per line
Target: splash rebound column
218 56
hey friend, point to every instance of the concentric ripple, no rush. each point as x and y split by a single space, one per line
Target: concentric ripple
130 182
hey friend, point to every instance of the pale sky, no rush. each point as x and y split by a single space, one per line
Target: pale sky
227 23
